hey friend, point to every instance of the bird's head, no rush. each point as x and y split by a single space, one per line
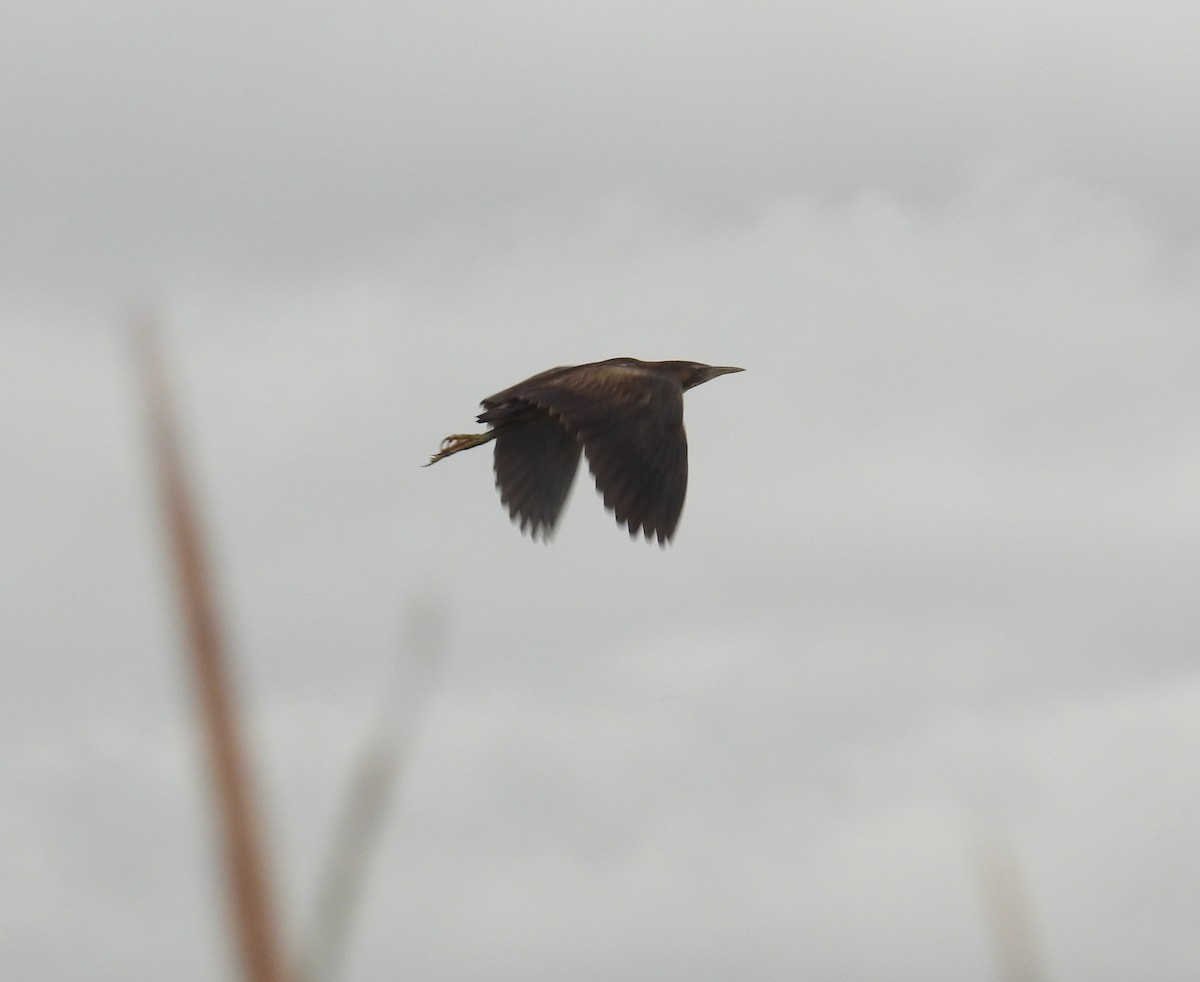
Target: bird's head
692 373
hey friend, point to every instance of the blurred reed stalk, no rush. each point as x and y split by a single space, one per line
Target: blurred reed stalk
377 774
1008 911
252 912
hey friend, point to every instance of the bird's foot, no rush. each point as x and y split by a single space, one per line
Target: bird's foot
459 441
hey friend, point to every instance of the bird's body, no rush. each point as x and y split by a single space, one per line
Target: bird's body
625 415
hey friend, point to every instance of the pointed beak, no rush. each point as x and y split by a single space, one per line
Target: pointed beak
713 371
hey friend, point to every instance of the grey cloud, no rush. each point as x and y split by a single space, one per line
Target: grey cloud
148 141
936 566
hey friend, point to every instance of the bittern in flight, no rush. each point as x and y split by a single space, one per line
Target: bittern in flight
625 414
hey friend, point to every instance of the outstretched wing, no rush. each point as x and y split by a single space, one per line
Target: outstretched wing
535 464
630 423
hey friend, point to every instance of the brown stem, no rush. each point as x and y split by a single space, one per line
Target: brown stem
251 909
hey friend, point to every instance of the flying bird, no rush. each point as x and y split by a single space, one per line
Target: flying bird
625 415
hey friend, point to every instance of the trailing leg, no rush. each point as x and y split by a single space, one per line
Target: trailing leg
461 441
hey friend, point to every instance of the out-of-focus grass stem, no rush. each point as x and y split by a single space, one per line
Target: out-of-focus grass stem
253 915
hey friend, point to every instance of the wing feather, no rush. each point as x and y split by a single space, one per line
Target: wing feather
630 424
535 464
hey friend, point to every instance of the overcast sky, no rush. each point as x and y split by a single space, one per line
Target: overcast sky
933 596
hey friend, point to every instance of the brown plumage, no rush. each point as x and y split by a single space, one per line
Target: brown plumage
625 415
